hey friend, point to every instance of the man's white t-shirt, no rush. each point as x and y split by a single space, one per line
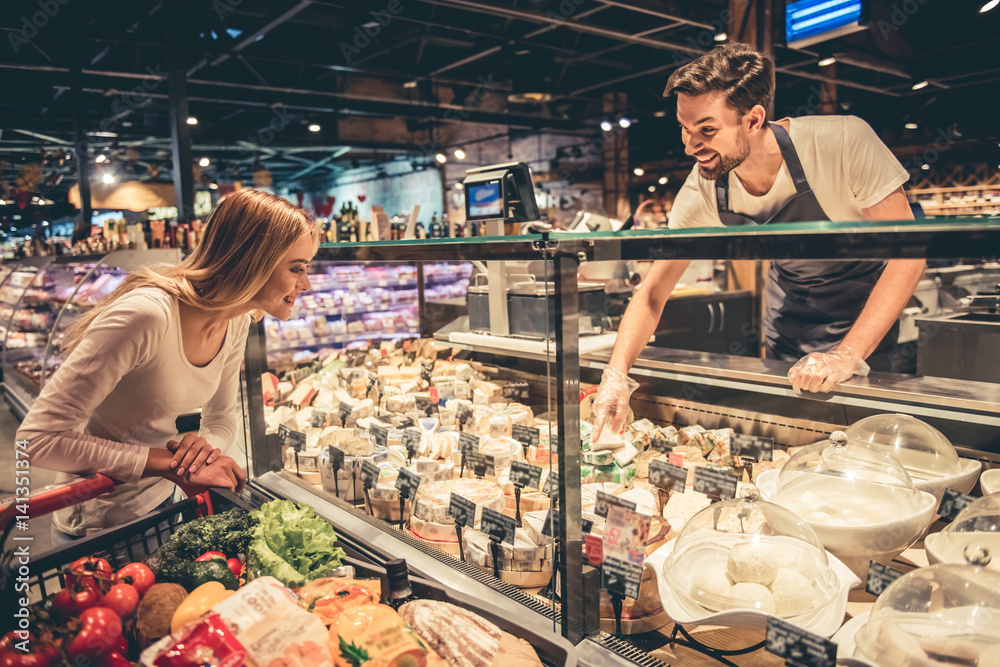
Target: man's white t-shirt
846 164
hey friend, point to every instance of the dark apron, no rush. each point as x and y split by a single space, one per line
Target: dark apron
811 304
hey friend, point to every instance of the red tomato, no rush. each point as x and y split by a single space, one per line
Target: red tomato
123 599
41 655
74 601
235 566
137 575
100 634
115 659
209 555
88 570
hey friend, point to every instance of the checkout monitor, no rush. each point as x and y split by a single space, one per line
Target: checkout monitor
500 191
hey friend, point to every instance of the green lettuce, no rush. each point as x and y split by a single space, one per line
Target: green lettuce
292 544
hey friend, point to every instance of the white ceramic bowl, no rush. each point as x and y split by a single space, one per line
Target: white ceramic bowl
962 481
823 622
990 481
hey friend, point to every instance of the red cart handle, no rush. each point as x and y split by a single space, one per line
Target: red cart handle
53 498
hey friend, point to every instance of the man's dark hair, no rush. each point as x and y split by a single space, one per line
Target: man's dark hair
744 75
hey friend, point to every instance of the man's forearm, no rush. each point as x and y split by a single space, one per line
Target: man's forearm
643 312
887 300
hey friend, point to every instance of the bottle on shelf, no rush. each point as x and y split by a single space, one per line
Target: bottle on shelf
400 592
445 227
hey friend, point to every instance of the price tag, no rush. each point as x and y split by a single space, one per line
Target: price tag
526 435
661 445
952 503
317 419
551 486
754 447
345 412
372 381
369 474
294 439
411 440
426 369
481 464
462 510
675 458
605 501
516 391
622 577
879 577
714 484
300 374
407 482
797 646
556 521
423 403
283 432
336 458
464 414
499 527
667 476
594 546
524 474
468 443
381 435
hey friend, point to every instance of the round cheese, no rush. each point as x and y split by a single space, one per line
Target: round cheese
432 500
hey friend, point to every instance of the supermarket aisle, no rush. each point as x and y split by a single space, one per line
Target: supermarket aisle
38 528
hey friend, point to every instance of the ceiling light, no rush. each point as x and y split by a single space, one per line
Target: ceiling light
720 37
925 167
441 157
638 171
204 162
652 188
663 180
459 185
459 154
660 114
2 202
606 125
824 62
192 120
213 186
313 127
624 122
410 84
100 158
913 126
919 85
108 178
988 6
45 223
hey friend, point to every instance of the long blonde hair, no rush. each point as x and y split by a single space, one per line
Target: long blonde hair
246 235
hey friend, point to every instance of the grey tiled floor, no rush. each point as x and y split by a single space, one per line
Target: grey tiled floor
39 527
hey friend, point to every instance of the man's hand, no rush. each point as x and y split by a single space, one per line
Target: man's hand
611 402
819 371
191 453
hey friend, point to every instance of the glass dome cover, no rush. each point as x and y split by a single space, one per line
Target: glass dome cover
839 482
976 525
945 613
922 449
750 554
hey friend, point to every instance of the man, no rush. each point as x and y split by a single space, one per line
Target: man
828 316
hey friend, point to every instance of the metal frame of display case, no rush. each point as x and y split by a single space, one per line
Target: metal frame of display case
719 377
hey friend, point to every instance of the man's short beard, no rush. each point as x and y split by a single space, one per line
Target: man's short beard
729 162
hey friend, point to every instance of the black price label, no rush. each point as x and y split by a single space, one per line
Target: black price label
345 411
661 445
524 474
402 421
714 484
407 482
499 527
423 403
411 440
952 503
551 486
755 447
464 414
605 501
622 577
879 577
468 443
300 374
667 476
381 435
462 510
317 419
798 647
426 370
336 458
369 474
526 435
481 464
294 439
554 521
283 432
516 391
372 381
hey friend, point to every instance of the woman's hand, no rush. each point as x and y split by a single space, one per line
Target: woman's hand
191 453
224 473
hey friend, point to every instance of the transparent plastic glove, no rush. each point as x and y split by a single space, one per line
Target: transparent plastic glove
611 403
820 371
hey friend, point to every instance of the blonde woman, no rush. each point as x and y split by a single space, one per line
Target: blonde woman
161 345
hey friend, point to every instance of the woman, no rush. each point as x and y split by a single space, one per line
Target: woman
164 344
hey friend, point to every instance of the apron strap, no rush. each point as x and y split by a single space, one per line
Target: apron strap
788 154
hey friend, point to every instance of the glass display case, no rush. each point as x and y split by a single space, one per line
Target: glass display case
45 295
380 440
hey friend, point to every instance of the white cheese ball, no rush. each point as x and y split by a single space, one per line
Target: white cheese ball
793 593
751 596
710 586
751 562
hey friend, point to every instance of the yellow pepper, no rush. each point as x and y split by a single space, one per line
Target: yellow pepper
197 603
